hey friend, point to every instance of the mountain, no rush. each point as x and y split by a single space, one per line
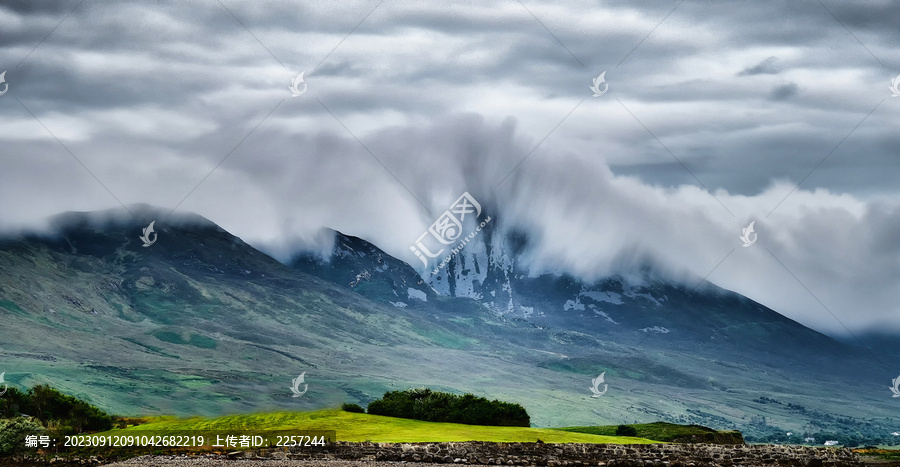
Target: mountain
201 322
641 325
640 307
368 271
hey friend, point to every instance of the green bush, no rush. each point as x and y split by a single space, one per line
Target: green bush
15 402
626 430
13 432
54 414
354 408
432 406
53 408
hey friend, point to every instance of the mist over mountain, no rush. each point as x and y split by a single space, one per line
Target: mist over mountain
825 258
583 219
632 305
451 201
202 322
617 241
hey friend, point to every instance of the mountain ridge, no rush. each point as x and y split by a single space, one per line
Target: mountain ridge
201 322
599 298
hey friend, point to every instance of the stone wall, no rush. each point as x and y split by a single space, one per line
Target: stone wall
541 454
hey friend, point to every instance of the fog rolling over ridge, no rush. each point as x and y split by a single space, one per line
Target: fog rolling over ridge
717 115
608 212
202 322
580 218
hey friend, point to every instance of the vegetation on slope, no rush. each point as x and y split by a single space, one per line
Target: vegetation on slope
45 410
197 323
54 409
434 406
366 427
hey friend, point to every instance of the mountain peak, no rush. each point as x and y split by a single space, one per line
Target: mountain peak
128 216
362 266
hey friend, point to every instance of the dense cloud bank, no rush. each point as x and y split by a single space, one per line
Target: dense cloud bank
715 112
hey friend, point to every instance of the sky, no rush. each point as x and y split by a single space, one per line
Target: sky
712 114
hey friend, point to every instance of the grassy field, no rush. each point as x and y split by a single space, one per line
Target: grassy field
363 427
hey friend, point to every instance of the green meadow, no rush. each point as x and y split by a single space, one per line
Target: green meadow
363 427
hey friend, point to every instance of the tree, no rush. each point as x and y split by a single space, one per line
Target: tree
55 409
354 408
432 406
48 402
13 432
15 402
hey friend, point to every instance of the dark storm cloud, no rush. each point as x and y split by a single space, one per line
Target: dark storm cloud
766 67
426 100
785 91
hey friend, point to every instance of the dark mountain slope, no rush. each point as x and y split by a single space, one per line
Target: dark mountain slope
642 309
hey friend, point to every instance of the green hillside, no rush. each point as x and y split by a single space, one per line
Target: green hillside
203 324
375 428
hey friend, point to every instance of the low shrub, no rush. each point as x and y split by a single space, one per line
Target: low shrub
353 408
13 432
51 405
626 430
55 410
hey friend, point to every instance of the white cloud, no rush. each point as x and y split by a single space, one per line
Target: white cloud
151 97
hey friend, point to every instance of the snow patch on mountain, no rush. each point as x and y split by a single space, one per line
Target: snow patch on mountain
469 273
345 251
602 314
573 305
527 311
635 287
632 294
415 293
610 297
656 329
